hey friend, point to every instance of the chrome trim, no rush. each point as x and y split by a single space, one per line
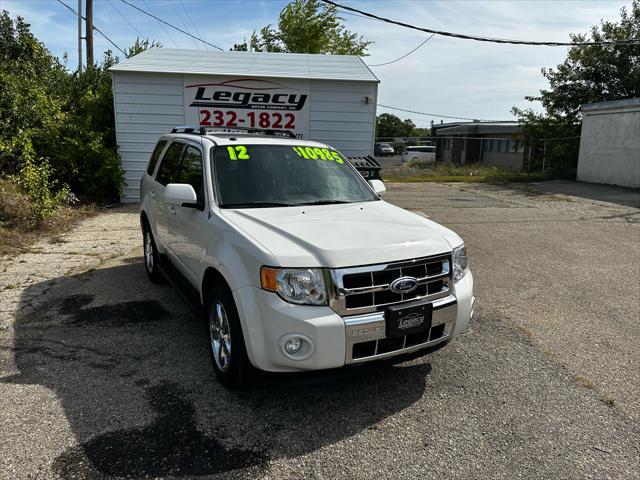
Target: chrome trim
444 302
363 319
334 280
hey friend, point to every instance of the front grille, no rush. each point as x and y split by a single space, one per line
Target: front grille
366 289
378 347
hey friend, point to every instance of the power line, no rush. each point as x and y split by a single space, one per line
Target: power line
479 38
191 22
170 25
184 25
94 27
434 114
405 55
175 44
125 19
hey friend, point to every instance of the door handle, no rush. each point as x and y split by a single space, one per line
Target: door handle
172 210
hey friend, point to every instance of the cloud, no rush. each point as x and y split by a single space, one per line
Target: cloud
460 77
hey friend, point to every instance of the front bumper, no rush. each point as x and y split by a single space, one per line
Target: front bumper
333 341
366 340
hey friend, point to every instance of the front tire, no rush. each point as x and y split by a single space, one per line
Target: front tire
226 342
151 258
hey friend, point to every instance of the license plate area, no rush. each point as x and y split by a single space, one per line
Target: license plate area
407 319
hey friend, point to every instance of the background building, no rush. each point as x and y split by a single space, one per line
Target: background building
329 98
610 143
490 143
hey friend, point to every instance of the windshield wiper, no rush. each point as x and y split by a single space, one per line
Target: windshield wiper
324 202
257 205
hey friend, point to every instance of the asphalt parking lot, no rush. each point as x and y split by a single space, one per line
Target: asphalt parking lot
104 375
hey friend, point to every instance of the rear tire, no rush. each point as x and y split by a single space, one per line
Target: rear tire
226 341
151 257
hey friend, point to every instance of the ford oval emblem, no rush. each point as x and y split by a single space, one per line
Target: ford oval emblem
404 285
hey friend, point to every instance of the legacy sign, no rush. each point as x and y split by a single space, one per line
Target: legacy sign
247 102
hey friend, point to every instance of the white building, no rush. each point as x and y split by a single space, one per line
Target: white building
329 98
610 143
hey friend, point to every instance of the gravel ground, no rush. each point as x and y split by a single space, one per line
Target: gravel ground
104 375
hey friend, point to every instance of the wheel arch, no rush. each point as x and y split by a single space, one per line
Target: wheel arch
144 220
211 277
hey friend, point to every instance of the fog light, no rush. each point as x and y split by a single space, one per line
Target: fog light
293 345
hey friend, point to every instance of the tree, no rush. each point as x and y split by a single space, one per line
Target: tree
593 73
140 45
390 126
30 104
307 26
56 127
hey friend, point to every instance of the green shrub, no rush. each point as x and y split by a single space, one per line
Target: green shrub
35 182
65 117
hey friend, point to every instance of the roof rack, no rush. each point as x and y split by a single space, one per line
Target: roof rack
198 130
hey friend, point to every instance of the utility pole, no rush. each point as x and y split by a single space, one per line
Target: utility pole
80 36
89 34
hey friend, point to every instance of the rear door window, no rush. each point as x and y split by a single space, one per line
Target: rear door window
170 165
155 155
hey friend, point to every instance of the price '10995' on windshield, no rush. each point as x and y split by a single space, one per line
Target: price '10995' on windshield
229 118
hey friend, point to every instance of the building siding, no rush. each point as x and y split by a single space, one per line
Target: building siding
340 117
148 105
610 145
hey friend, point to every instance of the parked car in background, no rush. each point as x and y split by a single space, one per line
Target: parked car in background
383 149
238 221
424 153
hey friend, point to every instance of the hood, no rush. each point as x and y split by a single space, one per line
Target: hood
342 235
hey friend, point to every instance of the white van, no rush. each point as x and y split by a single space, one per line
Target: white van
425 153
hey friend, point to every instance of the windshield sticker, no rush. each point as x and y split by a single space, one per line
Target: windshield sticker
238 152
318 153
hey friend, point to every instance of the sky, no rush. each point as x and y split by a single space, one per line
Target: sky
446 76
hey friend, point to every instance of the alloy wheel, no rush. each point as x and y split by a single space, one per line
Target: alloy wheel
148 251
220 336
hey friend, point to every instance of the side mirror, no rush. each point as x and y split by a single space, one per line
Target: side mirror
378 186
181 195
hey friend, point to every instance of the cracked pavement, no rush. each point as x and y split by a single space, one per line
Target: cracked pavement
105 375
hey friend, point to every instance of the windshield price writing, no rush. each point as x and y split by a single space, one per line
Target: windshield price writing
318 153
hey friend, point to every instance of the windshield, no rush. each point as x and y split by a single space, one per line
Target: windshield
285 175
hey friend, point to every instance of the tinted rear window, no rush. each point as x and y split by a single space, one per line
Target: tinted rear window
155 155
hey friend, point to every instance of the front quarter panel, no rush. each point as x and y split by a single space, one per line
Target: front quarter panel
236 256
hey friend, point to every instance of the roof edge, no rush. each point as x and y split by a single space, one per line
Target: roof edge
253 75
611 104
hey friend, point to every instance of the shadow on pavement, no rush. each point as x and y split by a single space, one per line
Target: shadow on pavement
629 197
130 366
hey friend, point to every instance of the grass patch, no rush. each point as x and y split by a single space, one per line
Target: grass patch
469 174
17 230
16 238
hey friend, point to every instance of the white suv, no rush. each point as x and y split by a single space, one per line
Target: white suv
298 263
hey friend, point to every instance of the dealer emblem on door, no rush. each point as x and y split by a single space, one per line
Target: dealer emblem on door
404 285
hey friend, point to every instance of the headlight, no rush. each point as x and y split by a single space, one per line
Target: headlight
296 285
460 262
